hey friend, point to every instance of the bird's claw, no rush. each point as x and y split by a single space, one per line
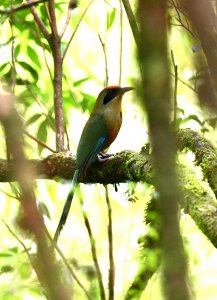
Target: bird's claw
104 156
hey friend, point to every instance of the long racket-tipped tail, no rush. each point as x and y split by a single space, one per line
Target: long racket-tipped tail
67 205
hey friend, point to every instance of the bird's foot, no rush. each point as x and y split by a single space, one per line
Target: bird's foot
104 156
116 186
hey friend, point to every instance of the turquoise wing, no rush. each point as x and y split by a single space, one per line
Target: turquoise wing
92 141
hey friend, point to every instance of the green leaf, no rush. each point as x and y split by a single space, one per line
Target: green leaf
44 210
3 18
44 15
50 118
80 81
21 23
5 254
178 123
33 119
23 82
36 290
3 66
24 270
111 18
7 76
6 43
25 98
42 134
87 102
33 55
6 269
180 110
195 118
29 68
15 191
9 252
14 249
45 46
17 50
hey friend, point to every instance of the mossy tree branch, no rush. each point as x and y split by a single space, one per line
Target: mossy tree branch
205 154
131 166
199 203
124 166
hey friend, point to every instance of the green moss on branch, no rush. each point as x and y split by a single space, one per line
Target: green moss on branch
205 154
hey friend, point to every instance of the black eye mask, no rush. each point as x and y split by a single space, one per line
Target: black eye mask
111 94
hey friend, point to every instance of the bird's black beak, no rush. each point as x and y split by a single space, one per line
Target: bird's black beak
126 89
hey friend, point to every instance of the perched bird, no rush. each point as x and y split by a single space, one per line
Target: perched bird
98 134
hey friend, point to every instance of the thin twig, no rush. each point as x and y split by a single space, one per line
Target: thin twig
20 7
110 239
40 23
121 43
72 5
67 139
51 7
134 27
175 67
68 17
48 14
9 195
179 18
70 89
43 48
76 28
185 83
128 235
71 271
106 61
94 252
55 45
39 141
31 260
13 75
185 27
59 252
20 242
13 68
131 19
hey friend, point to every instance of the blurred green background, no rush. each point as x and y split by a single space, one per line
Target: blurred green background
84 77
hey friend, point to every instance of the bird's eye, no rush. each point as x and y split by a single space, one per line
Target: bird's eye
110 94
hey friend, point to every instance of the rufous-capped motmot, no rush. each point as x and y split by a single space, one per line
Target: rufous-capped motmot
99 132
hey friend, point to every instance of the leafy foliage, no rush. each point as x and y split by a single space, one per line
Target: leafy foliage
27 70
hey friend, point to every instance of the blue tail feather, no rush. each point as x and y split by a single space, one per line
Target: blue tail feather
67 205
81 171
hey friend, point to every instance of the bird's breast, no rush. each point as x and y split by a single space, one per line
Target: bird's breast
113 123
